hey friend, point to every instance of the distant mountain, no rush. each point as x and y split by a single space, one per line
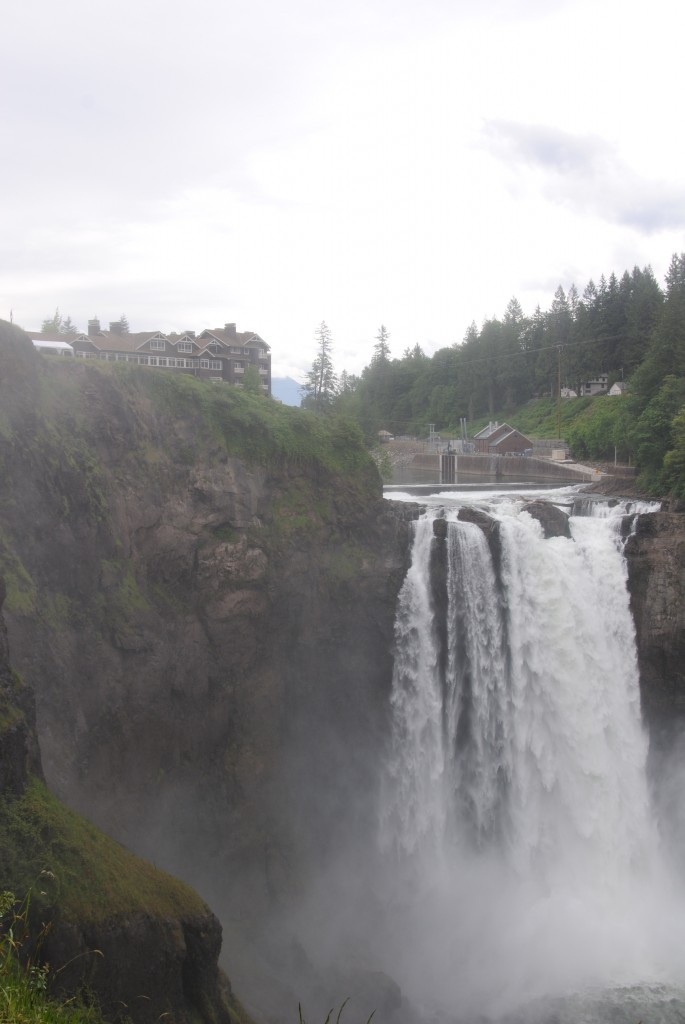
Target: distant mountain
286 390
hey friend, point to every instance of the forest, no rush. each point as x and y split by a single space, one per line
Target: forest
630 328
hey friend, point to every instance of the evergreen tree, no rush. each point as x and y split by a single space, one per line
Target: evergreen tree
348 383
57 324
123 320
321 384
68 327
381 350
53 324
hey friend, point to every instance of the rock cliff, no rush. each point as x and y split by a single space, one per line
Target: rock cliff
656 579
201 588
142 943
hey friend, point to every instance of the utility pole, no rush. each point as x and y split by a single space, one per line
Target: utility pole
559 391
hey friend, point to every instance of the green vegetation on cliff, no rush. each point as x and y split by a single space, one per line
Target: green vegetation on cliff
24 982
261 432
85 874
191 418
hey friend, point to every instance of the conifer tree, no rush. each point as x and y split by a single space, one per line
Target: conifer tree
381 350
52 324
321 384
68 327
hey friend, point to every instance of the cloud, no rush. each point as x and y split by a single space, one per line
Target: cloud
587 173
548 148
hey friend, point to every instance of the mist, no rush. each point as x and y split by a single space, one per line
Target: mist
512 862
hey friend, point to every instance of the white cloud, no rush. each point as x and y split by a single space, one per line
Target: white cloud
379 161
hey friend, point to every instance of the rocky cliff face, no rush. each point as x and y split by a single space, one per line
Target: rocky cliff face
656 565
136 938
205 608
208 632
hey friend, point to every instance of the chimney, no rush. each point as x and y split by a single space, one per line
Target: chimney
116 326
190 334
93 327
230 329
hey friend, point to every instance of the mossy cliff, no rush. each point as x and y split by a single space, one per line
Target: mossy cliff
201 589
111 926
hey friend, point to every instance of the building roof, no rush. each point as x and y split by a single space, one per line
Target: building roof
510 433
51 336
45 342
489 430
237 338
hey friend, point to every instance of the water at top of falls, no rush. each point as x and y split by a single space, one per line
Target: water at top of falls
515 809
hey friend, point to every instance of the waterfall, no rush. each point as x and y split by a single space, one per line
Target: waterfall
515 809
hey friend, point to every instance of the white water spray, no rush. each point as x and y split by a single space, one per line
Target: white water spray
516 810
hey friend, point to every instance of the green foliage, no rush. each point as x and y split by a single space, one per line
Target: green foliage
598 433
94 878
513 369
25 981
57 324
321 382
382 460
260 432
381 350
252 381
674 460
21 590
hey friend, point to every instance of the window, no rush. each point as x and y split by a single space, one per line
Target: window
204 364
215 364
184 346
157 345
144 360
172 362
162 361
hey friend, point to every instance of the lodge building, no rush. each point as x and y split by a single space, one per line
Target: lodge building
221 354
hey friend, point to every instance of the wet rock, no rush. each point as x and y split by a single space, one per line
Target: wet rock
554 522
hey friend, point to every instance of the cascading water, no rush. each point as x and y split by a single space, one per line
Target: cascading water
516 810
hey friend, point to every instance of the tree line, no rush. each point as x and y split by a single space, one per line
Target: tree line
58 324
630 328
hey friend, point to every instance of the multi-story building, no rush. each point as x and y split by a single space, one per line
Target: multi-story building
222 355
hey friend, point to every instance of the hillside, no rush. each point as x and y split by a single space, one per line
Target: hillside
512 369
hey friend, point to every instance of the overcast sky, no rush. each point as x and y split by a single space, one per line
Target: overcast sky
414 163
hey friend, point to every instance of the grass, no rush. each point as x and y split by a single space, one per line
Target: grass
329 1018
24 982
95 878
538 417
251 427
21 590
